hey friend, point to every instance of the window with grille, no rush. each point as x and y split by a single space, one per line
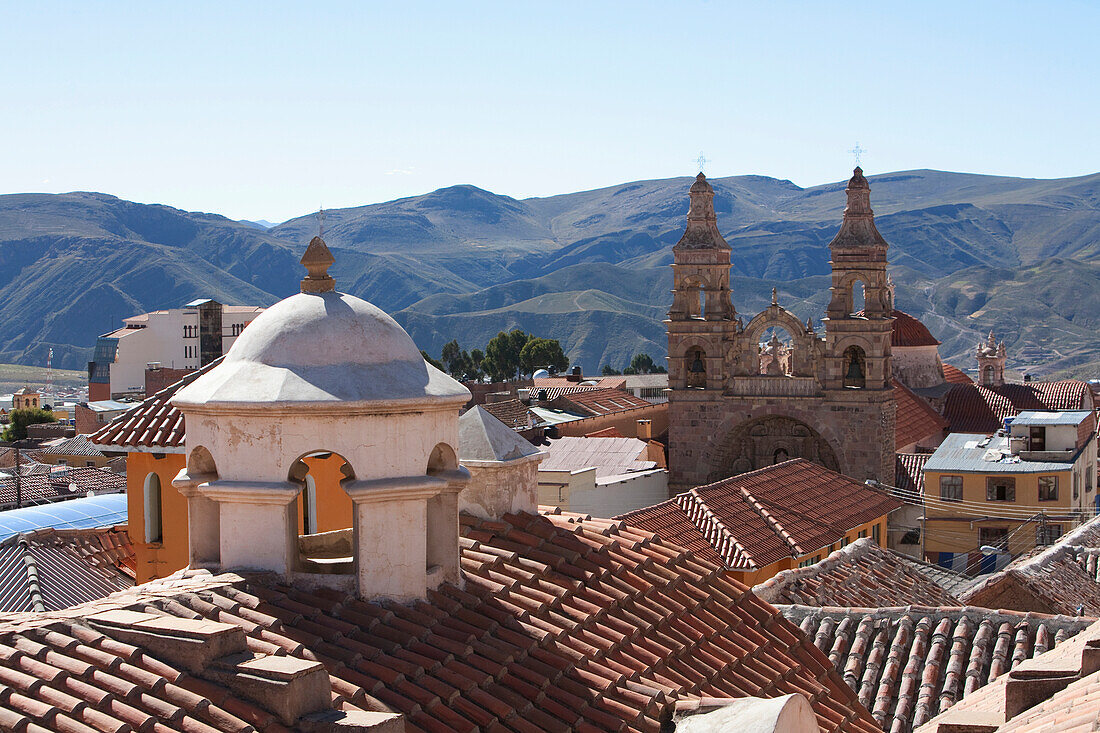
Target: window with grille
951 488
1047 534
1000 488
993 537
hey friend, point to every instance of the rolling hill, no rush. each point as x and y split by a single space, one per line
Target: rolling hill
969 253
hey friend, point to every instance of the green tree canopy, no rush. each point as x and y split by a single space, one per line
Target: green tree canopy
434 362
20 419
502 360
542 352
609 371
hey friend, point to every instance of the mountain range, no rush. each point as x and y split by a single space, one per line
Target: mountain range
969 253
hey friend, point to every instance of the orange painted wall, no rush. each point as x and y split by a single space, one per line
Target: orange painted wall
162 558
156 560
334 507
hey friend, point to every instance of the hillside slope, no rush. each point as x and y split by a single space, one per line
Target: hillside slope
968 253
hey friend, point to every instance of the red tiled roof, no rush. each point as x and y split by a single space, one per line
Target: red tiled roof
909 471
55 484
909 664
565 382
669 522
512 413
973 408
916 420
564 623
757 518
954 375
601 401
154 423
859 575
908 331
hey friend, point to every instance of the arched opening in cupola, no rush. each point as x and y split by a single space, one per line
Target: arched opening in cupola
442 515
323 513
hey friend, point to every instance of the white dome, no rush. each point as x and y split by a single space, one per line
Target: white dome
325 347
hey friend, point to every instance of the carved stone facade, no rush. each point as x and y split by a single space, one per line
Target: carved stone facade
743 396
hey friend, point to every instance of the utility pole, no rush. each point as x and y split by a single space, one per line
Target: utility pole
18 477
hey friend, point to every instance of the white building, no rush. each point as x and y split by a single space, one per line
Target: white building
176 338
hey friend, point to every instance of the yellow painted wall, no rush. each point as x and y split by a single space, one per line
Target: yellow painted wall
156 560
76 461
954 528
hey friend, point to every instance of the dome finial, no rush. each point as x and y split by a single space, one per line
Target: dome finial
317 260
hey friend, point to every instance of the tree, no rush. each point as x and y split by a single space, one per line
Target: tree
609 371
434 362
20 419
474 370
642 364
542 352
502 360
452 356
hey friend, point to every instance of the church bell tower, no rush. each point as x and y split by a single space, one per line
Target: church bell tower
702 309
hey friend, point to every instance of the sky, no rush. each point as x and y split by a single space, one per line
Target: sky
270 110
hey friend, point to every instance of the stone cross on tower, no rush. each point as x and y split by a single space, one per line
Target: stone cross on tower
857 153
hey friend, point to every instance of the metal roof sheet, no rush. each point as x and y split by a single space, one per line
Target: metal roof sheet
1067 417
968 453
86 513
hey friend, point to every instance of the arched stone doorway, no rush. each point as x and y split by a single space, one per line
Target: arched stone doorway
767 440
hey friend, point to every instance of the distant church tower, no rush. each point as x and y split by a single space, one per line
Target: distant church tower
740 401
991 362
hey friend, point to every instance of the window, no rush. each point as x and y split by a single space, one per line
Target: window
876 534
309 507
154 531
845 542
911 537
1048 488
1000 488
993 537
1038 437
190 332
1047 534
1076 485
809 561
90 464
862 534
951 488
62 462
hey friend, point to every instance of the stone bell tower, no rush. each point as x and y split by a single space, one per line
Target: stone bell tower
991 362
858 344
702 310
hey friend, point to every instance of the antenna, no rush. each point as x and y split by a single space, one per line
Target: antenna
321 221
702 161
857 153
49 374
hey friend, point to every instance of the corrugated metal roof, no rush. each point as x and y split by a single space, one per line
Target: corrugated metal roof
1031 417
609 456
967 453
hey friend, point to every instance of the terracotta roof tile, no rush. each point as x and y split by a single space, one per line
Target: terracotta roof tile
154 423
954 375
909 471
55 484
757 518
908 664
859 575
564 622
512 413
973 408
595 402
78 445
916 419
908 331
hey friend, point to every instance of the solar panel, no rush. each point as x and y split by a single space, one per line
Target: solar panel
86 513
